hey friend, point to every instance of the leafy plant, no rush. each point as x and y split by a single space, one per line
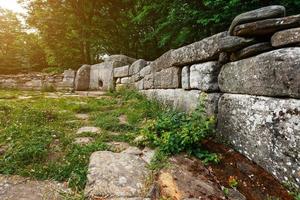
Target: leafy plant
173 132
233 182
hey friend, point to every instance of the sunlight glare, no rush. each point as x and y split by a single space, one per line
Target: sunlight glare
11 5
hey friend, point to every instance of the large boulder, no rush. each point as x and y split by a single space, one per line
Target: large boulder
286 37
251 51
101 76
267 26
207 49
256 15
167 78
185 100
275 73
120 60
116 175
82 80
266 130
205 76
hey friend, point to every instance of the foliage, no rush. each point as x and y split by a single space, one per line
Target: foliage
19 50
173 132
233 182
69 33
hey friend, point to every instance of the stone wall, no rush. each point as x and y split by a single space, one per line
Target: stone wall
39 81
248 77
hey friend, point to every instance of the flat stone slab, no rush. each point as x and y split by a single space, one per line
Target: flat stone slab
275 73
88 129
266 27
82 116
19 188
116 175
83 140
90 93
286 37
258 14
251 51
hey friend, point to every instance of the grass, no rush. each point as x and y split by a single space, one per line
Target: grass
37 133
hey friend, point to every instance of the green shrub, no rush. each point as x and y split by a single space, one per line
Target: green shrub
174 132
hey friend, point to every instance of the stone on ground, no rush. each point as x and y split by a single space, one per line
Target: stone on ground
133 150
19 188
88 129
116 176
118 146
123 119
188 178
83 140
82 116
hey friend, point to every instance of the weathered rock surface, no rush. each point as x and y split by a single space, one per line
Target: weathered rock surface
163 62
205 76
137 66
185 78
116 175
16 187
120 72
101 77
266 27
266 130
145 71
167 78
185 100
88 129
207 49
82 80
268 12
182 181
275 73
69 78
120 60
83 140
234 43
286 37
126 80
250 51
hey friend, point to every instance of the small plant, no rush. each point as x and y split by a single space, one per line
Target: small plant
233 182
226 192
173 132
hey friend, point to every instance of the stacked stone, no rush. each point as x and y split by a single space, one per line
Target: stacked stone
132 74
38 81
260 113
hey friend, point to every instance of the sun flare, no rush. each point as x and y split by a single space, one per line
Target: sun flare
11 5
